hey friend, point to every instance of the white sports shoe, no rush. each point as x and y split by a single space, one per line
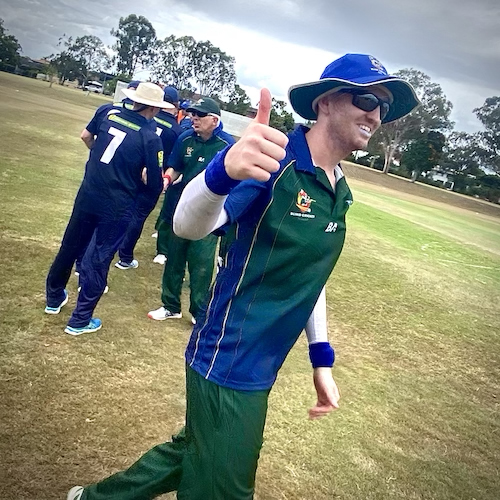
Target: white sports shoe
162 313
155 235
75 493
193 320
106 289
160 259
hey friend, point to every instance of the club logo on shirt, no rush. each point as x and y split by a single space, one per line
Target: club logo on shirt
189 151
304 201
304 205
201 159
160 159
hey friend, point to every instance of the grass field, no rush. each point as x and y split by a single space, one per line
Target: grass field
413 312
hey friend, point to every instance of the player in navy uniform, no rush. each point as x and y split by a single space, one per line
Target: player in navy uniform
288 198
168 130
125 155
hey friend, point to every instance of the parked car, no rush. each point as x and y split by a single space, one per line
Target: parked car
96 87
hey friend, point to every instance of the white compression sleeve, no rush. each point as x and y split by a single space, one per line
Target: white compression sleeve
199 211
316 326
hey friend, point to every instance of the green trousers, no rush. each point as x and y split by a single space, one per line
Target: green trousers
164 229
214 457
199 256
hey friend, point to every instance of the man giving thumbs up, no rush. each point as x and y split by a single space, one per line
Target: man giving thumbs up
287 198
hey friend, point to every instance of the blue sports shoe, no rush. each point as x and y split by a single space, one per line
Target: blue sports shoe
94 325
57 310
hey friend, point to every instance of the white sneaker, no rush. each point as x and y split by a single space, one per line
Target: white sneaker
75 493
160 259
193 320
155 235
162 313
106 289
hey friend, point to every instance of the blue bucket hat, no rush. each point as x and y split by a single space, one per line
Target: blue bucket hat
353 71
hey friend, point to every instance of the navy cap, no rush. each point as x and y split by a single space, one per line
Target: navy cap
171 95
358 71
133 84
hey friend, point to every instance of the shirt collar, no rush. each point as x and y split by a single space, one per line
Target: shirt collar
298 145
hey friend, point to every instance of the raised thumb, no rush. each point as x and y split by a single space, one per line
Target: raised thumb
265 105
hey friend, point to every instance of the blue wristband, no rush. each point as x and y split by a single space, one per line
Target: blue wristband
321 354
216 176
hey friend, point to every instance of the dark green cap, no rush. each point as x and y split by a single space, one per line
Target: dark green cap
205 105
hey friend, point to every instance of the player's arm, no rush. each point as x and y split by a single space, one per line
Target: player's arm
255 156
322 358
88 138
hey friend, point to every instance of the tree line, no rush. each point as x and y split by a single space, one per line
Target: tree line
420 142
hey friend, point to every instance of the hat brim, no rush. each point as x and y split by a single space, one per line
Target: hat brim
201 109
302 96
131 94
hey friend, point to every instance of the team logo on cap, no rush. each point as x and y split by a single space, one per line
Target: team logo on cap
377 66
304 201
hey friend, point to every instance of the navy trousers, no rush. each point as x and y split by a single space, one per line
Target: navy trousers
143 207
99 236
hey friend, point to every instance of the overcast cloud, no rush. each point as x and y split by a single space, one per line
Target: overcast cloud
280 43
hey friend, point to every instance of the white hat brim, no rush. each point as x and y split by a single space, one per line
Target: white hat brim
131 94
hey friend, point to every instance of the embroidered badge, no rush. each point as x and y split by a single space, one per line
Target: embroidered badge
304 201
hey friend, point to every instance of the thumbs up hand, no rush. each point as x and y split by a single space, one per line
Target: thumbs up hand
258 153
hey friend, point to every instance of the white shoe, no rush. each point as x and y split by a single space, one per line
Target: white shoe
193 320
160 259
162 313
155 235
75 493
106 289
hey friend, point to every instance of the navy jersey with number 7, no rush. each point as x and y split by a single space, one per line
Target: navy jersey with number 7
126 142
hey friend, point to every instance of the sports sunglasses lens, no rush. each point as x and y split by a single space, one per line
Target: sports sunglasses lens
366 102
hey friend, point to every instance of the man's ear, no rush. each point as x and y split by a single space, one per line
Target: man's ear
323 104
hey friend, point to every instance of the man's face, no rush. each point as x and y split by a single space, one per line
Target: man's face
350 126
203 125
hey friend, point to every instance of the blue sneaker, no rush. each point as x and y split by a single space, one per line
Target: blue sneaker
121 264
94 325
57 310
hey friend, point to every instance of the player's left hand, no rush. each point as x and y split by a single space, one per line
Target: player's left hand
327 392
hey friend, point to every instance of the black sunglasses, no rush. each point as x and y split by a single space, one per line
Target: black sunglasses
368 101
200 114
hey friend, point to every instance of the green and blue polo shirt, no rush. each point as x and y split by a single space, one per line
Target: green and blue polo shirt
289 234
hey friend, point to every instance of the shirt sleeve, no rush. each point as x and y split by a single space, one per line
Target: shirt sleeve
154 164
175 160
316 326
97 119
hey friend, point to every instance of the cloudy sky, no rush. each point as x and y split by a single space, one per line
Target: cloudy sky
280 43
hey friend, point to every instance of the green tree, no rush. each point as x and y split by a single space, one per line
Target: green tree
489 115
192 66
91 53
213 70
173 63
423 154
135 43
10 50
432 114
239 102
67 66
280 118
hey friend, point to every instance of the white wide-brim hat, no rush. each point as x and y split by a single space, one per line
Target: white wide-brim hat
149 94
